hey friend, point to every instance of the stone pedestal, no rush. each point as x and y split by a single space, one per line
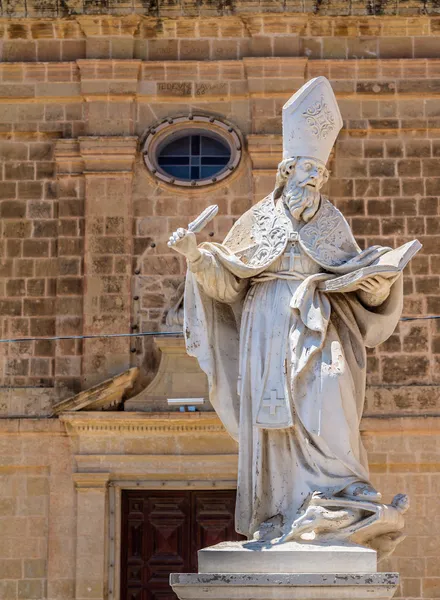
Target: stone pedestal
258 571
194 586
291 557
178 376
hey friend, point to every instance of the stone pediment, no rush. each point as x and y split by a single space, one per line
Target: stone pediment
107 395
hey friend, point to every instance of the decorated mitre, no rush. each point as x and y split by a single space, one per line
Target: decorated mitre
311 121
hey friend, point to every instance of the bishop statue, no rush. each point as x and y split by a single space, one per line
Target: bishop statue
285 356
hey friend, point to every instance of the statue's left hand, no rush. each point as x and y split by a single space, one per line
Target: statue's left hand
375 290
377 285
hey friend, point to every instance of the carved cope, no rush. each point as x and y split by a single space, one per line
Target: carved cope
260 236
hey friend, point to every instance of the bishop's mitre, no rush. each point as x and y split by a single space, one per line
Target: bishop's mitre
311 121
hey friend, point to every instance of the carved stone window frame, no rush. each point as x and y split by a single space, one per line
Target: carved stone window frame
174 127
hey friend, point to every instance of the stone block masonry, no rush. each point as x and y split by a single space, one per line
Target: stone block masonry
54 525
84 225
69 258
50 38
37 508
176 8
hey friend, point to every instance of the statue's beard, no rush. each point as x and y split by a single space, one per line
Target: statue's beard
302 202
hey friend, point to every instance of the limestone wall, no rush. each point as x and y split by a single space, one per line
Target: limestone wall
84 228
60 486
72 260
177 35
37 511
406 457
175 8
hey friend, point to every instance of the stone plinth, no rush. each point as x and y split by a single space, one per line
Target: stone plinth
194 586
259 571
291 557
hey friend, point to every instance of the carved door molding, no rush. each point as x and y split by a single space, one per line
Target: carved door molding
161 532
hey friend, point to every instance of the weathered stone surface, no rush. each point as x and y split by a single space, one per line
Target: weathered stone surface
309 481
249 586
178 376
144 447
291 557
105 396
43 106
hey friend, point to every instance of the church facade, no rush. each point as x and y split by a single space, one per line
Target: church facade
119 122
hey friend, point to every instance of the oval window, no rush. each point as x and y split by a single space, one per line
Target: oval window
194 157
192 151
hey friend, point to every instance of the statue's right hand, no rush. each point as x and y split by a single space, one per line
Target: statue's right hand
184 242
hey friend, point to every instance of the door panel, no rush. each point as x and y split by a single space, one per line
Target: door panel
213 520
162 532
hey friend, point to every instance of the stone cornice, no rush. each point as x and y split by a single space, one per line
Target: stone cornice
298 18
87 481
95 154
92 423
108 153
134 423
127 423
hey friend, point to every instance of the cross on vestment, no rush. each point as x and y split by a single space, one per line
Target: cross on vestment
273 402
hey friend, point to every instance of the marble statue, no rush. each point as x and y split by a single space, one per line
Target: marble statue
285 360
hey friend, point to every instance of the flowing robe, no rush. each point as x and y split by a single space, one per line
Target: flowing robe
286 362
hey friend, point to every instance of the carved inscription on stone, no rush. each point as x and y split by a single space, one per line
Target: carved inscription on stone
211 89
176 88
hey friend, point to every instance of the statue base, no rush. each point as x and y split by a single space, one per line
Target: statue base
268 586
260 571
290 557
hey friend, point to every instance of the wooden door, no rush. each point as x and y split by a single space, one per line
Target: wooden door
162 532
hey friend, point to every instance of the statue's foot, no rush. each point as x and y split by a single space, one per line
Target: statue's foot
361 491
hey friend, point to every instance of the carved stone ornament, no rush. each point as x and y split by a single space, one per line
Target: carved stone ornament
320 119
311 121
268 232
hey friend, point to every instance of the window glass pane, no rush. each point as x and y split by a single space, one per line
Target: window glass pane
178 172
213 147
195 161
195 173
209 171
173 160
179 147
195 145
221 161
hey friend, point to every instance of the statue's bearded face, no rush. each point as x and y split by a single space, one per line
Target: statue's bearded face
301 192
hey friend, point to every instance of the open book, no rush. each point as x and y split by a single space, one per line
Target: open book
388 265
